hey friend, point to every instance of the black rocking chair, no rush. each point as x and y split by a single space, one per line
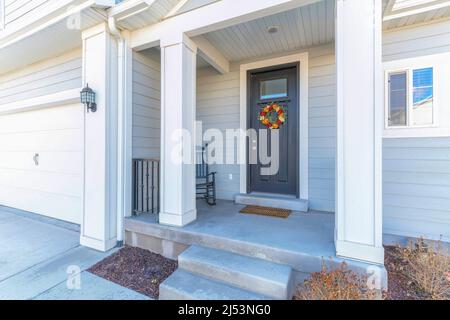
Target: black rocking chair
205 180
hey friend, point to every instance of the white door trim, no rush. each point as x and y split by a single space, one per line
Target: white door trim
303 59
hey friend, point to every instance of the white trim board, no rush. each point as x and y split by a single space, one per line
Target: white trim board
303 59
47 101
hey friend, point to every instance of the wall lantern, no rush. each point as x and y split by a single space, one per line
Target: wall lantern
87 96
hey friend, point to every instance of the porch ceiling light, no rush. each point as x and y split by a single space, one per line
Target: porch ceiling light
273 29
87 96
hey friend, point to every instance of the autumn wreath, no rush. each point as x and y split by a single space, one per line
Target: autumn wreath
273 116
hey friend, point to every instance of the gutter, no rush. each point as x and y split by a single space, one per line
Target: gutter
124 127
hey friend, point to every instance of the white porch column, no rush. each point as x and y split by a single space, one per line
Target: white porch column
359 130
98 228
178 103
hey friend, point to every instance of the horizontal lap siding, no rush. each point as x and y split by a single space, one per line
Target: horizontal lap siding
416 187
146 107
44 78
322 128
417 41
218 108
416 171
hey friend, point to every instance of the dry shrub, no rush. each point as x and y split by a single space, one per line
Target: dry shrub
426 266
336 284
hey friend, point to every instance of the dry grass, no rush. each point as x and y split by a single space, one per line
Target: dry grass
425 265
337 284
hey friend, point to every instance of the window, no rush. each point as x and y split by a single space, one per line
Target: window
274 88
398 98
422 108
410 98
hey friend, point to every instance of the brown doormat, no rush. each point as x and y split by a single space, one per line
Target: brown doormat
265 211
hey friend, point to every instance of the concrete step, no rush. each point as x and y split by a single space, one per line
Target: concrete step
183 285
273 201
252 274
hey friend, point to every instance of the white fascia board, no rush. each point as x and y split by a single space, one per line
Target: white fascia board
129 8
47 101
104 3
212 55
177 8
213 17
414 11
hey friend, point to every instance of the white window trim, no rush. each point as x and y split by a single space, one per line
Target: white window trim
409 84
437 129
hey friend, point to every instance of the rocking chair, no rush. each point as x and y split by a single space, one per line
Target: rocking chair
205 180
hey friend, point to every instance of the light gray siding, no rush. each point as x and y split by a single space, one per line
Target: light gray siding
146 106
416 187
218 108
417 41
51 76
322 128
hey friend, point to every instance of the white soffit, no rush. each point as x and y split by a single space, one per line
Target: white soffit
403 13
300 28
49 42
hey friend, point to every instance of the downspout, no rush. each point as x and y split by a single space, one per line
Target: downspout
122 119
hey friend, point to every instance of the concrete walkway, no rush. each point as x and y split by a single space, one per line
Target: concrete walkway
42 259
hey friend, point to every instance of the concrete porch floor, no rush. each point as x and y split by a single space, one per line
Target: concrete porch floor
302 232
303 241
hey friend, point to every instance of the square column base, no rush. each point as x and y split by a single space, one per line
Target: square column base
177 220
361 252
376 274
98 245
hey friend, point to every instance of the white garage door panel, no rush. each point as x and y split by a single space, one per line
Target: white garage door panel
54 140
52 205
54 187
68 185
54 162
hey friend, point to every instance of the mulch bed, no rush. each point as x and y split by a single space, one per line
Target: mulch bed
399 288
143 271
137 269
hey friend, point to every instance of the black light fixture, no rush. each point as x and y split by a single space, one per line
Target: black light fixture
87 96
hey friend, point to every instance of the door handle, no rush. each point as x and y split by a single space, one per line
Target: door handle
36 159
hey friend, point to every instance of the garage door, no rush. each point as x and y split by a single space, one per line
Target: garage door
41 161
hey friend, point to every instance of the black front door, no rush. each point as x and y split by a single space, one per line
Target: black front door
279 89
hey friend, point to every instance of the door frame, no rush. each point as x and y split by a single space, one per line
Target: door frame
249 115
303 69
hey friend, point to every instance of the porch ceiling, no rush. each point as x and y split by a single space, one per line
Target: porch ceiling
298 29
315 23
311 25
